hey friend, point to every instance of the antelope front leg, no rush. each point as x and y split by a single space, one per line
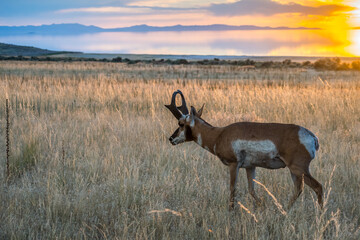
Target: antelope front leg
233 167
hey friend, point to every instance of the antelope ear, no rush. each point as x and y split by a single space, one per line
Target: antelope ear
193 112
199 113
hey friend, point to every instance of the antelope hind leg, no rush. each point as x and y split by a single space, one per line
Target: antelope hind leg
250 173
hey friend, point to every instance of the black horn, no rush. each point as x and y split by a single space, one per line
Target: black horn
183 108
178 111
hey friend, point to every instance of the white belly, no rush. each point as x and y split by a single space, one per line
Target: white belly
254 153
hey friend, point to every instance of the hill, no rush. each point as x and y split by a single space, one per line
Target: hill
16 50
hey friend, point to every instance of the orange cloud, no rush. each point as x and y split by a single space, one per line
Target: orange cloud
269 8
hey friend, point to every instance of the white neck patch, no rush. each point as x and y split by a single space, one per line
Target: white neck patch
199 140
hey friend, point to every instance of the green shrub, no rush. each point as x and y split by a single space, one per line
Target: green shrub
355 65
306 64
343 66
327 64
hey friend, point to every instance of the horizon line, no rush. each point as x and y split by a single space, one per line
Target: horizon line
167 26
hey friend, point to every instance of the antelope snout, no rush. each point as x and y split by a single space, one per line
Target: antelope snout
171 139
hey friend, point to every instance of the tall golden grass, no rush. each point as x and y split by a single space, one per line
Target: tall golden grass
90 156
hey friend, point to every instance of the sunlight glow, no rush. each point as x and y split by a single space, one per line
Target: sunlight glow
333 27
355 46
337 28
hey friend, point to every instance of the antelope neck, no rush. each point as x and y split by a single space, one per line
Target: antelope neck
205 135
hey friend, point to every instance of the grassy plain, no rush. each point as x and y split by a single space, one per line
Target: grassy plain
90 156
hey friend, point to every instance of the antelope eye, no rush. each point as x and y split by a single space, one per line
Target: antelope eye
181 124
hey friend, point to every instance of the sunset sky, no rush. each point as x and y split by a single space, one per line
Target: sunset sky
335 17
108 13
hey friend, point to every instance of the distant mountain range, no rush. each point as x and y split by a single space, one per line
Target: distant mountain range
75 28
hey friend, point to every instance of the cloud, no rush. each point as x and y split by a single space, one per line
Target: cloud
105 10
10 8
175 3
268 8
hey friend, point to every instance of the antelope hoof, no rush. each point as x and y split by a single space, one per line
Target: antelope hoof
231 206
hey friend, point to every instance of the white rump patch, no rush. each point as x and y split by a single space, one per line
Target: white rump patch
308 141
253 153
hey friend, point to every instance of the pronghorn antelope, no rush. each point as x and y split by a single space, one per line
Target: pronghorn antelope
249 145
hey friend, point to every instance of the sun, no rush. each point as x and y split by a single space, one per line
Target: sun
355 32
354 48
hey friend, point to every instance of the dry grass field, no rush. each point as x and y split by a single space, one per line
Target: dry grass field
90 157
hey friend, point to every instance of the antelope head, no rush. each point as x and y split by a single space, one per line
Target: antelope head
186 120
